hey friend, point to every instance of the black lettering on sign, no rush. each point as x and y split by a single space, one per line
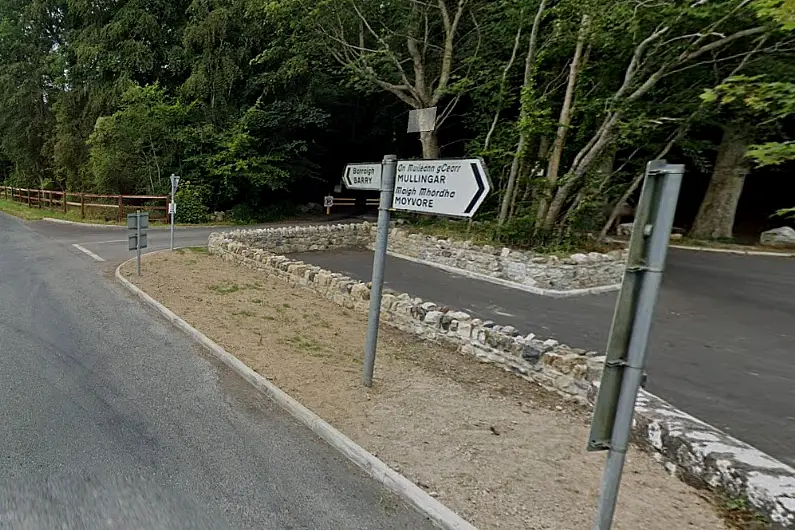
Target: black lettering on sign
421 179
416 202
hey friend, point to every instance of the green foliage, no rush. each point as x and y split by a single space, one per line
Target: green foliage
768 100
192 203
780 11
134 149
260 102
246 214
772 153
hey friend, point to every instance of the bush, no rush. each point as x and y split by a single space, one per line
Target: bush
247 214
192 203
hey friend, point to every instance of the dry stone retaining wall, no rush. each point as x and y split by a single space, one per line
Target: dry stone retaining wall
294 239
570 372
518 268
578 271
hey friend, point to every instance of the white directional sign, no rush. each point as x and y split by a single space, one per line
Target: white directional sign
363 176
454 187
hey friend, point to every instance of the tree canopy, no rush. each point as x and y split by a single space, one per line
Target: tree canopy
256 102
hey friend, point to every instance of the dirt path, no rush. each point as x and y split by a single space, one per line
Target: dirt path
494 448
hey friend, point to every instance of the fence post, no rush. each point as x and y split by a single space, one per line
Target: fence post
63 201
82 205
121 208
38 198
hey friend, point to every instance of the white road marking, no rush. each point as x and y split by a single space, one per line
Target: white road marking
497 310
84 249
105 242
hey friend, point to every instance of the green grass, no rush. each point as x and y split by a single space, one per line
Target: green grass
742 515
225 288
21 210
307 345
242 313
93 215
103 216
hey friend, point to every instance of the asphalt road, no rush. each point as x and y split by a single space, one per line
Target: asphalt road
722 346
109 243
113 419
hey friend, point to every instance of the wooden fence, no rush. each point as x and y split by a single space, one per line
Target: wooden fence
351 202
64 200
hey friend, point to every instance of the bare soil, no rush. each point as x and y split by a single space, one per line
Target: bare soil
496 449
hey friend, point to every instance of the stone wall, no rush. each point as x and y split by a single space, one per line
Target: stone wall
293 239
570 372
540 273
578 271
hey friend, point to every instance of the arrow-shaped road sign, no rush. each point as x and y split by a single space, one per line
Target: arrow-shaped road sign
363 176
455 187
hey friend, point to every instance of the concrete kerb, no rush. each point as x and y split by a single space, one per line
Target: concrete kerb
736 251
552 293
702 452
438 513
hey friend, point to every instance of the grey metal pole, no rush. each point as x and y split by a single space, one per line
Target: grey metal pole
379 261
172 208
138 240
659 232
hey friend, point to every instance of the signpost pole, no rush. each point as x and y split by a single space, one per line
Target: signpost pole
379 261
631 325
138 243
172 207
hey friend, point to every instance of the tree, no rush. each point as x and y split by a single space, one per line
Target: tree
376 42
715 217
677 39
768 100
30 82
136 148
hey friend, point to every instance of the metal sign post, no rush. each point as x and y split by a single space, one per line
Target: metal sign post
172 206
453 187
138 221
379 262
629 334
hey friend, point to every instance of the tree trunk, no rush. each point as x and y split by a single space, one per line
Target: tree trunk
529 62
676 138
564 121
511 186
715 217
430 145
